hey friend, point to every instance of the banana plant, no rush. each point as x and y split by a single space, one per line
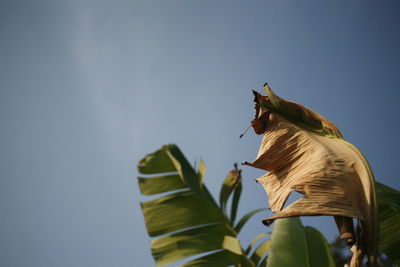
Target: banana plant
303 151
184 220
389 221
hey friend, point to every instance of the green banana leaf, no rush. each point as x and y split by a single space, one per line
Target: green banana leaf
231 184
220 258
259 255
185 219
292 244
389 221
254 242
246 218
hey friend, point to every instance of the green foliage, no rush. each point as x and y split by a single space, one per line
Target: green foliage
231 184
186 221
367 236
389 221
389 229
186 215
296 245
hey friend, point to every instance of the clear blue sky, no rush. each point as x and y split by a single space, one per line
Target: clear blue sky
87 88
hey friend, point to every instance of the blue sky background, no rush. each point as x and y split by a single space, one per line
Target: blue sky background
87 88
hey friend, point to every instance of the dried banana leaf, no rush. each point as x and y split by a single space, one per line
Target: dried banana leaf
304 152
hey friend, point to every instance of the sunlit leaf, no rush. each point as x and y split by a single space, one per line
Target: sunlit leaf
157 162
235 202
231 184
259 254
298 114
232 244
255 241
160 184
201 170
221 259
161 214
186 215
174 247
232 180
304 152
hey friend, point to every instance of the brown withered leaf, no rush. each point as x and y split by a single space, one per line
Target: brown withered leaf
304 152
325 170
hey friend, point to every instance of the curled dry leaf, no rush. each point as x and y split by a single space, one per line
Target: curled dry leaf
305 152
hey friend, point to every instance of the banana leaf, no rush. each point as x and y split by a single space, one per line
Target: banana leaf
292 244
221 258
246 218
389 221
231 184
184 219
304 152
259 256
